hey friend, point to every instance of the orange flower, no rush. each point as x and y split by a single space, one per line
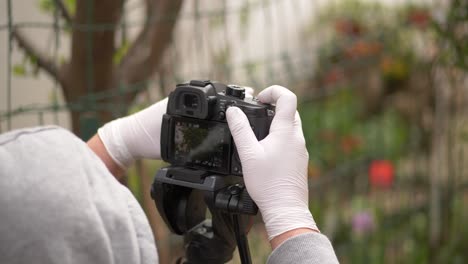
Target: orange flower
362 48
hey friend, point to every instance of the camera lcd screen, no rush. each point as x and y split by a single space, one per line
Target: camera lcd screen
201 144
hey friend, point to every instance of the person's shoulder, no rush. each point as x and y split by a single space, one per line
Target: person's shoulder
33 132
305 248
46 144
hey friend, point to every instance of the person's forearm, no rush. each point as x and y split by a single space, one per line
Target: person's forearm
278 240
96 145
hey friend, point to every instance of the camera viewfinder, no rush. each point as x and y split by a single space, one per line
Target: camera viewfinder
191 101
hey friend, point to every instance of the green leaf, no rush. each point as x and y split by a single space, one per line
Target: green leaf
120 53
46 6
31 60
71 6
49 6
19 70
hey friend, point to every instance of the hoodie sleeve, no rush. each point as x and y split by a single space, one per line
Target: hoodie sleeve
60 204
311 248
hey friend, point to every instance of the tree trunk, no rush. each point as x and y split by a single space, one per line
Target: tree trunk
91 64
90 76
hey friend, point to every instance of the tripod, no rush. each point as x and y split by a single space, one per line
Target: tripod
183 196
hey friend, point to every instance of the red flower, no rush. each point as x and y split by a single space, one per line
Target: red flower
348 27
419 18
333 76
350 143
381 173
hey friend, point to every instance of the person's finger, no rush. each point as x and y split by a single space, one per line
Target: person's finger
244 137
285 100
297 121
298 125
286 103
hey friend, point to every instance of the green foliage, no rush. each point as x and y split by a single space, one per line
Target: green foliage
358 36
335 132
49 6
27 67
120 53
19 70
453 34
398 236
366 11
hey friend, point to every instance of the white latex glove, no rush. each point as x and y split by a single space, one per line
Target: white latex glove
135 136
138 135
275 169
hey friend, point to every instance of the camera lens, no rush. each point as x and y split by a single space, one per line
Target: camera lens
191 101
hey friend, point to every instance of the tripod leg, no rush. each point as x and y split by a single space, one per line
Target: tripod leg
204 244
242 242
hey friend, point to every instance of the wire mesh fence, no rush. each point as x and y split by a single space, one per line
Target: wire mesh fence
382 91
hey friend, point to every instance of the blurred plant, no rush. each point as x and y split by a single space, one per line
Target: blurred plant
451 28
335 133
362 223
370 106
376 50
419 17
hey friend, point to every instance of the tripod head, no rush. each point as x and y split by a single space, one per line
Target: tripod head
183 195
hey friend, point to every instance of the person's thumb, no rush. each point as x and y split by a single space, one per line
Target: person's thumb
244 137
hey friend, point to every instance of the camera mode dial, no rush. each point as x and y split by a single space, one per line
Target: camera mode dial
235 91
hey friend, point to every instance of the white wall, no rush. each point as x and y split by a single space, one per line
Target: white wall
27 91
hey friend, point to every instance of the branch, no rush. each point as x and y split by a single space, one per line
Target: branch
64 11
42 60
146 52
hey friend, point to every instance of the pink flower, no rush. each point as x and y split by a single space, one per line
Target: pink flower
362 223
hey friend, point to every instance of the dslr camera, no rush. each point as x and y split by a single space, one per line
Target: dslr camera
197 142
195 133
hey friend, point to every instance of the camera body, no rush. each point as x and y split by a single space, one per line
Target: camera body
195 133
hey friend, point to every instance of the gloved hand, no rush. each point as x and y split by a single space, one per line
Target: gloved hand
138 135
135 136
275 169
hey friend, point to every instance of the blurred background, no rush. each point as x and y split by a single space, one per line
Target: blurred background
382 85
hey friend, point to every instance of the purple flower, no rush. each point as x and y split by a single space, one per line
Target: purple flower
362 223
